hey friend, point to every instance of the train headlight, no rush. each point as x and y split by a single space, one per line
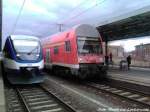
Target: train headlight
80 59
101 59
18 55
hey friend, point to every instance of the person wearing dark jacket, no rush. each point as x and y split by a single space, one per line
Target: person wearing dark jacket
110 58
129 61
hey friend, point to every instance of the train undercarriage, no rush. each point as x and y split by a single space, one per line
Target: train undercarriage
84 71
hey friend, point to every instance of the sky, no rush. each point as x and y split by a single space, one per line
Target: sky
43 17
129 44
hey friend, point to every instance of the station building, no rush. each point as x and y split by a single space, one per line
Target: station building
117 51
142 52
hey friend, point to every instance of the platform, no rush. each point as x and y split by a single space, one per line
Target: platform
135 75
2 97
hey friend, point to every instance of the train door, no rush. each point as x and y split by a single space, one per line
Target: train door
48 58
68 51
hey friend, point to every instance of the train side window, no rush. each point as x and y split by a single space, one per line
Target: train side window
56 50
67 46
6 53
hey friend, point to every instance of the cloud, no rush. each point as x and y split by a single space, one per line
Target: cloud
129 44
41 17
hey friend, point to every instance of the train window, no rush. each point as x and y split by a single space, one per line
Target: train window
6 52
27 49
56 50
67 46
89 45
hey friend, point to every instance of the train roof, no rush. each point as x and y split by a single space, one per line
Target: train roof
23 37
82 30
86 30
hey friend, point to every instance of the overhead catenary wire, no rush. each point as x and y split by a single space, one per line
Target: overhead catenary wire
62 23
82 12
79 5
18 17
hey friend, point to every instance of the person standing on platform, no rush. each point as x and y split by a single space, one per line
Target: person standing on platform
110 59
129 61
107 61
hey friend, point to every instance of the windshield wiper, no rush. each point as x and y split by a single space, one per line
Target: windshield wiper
29 53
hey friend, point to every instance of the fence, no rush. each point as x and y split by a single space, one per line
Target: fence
137 63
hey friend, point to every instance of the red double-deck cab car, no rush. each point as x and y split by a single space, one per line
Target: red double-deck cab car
77 51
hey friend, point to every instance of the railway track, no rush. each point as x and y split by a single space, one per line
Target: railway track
135 96
40 99
12 101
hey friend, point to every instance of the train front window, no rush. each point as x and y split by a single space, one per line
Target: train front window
27 49
89 45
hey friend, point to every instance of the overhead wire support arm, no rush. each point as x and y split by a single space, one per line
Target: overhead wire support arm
60 27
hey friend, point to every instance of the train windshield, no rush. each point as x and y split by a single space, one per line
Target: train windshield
89 45
27 49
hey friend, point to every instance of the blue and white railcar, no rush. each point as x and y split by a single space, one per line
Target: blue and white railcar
23 60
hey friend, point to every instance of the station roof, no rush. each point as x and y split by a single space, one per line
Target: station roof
131 25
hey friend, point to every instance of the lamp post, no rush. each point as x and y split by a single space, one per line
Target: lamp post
60 27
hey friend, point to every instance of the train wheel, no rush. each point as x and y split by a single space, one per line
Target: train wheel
4 74
55 70
83 76
103 75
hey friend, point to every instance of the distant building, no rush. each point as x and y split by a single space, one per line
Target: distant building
117 51
142 52
132 53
